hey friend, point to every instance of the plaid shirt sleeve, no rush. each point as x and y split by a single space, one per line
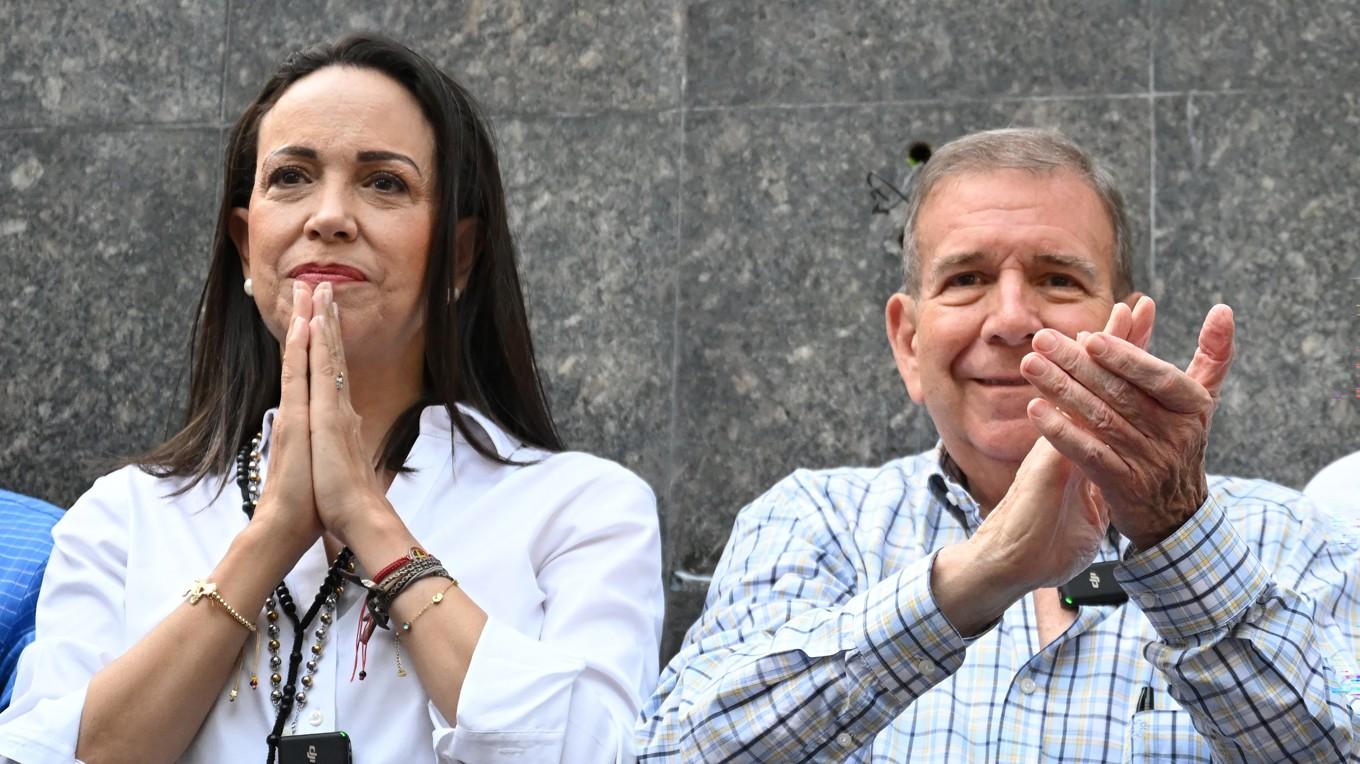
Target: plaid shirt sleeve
796 657
1256 658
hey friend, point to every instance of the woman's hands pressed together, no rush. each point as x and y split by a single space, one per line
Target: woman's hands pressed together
287 507
344 479
321 473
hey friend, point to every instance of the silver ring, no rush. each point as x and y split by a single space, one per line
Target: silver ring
340 381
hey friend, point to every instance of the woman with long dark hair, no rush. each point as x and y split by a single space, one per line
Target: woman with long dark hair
367 534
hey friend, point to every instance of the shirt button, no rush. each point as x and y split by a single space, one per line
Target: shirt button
924 666
1148 600
1028 686
845 741
316 718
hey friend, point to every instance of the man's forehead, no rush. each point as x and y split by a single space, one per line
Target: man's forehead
1000 212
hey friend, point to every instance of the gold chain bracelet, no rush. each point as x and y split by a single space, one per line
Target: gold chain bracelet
435 600
208 589
406 625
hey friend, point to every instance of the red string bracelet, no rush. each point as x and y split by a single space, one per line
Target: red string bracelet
415 553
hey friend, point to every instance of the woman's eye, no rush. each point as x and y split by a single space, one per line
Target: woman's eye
387 183
287 176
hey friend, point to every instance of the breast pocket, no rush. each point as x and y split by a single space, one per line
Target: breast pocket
1165 736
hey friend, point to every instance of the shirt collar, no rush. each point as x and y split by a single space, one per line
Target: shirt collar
949 486
434 420
484 431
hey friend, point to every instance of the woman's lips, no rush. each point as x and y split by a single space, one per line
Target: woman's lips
315 273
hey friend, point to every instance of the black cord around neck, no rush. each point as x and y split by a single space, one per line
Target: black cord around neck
328 587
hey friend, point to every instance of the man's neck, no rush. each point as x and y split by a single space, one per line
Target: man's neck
986 483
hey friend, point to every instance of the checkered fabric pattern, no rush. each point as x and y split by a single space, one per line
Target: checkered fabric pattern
821 641
25 543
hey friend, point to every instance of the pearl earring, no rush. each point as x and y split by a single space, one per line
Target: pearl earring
249 287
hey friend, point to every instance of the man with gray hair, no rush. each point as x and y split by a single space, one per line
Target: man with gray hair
909 612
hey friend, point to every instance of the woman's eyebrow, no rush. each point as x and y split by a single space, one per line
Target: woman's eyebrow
384 156
295 151
306 152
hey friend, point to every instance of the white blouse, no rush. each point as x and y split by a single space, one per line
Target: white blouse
563 555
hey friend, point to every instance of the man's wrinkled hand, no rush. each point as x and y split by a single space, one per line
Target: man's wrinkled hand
1135 425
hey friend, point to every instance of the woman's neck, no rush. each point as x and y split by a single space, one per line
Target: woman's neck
381 389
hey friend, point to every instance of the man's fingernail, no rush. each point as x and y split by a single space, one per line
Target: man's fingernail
1082 335
1044 341
296 327
1096 346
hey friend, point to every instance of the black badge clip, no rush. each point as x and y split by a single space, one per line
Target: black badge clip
325 748
1093 586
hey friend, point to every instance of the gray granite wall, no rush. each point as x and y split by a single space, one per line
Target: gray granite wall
706 279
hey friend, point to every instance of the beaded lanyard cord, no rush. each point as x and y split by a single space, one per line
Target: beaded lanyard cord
248 478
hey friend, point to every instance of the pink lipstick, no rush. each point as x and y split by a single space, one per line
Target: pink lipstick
315 273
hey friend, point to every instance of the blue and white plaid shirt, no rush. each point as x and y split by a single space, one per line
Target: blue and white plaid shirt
25 542
821 640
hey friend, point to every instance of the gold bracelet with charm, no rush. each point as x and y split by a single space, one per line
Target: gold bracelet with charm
406 626
201 589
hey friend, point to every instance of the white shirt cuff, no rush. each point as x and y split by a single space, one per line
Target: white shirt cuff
514 704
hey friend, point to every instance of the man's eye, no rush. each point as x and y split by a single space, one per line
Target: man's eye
1061 281
964 280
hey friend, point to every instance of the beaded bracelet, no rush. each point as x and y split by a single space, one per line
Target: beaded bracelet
201 589
380 602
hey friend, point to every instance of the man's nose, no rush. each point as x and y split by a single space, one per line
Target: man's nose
1013 317
333 217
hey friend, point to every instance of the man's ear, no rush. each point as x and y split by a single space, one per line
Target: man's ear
465 241
901 322
238 228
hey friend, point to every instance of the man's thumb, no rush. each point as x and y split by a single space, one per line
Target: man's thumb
1214 355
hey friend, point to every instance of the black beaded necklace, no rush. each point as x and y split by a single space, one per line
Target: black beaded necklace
247 477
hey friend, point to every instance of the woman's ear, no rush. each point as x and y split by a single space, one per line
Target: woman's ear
900 317
238 228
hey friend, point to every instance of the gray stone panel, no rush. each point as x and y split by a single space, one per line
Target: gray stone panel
593 205
104 243
1228 44
552 56
784 360
127 62
1256 207
852 51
